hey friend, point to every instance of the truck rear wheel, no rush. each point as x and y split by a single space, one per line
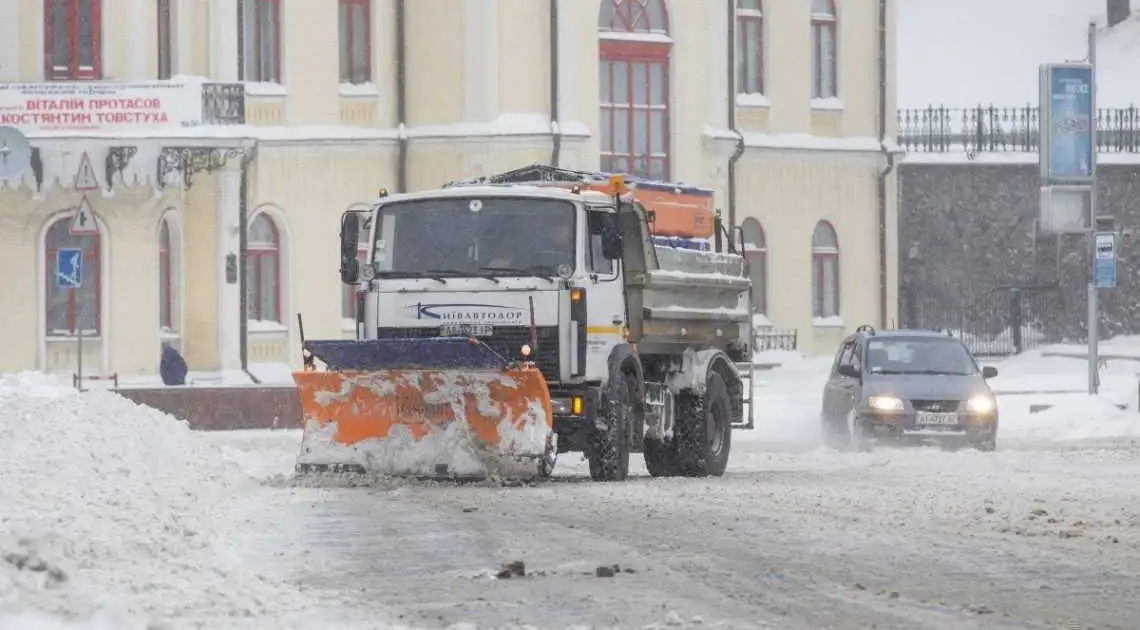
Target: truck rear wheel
703 434
609 445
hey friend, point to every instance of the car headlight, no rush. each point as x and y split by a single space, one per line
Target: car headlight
981 404
885 403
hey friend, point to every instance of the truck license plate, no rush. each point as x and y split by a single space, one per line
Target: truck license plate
466 330
936 419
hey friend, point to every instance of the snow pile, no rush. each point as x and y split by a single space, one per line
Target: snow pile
970 52
109 514
1070 418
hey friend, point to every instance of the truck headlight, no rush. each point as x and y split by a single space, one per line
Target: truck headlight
981 404
885 403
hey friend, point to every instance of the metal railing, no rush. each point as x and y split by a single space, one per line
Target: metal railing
990 129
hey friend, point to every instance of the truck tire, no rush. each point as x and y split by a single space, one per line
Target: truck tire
609 446
703 434
661 458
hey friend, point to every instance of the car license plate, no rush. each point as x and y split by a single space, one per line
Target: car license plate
928 418
466 330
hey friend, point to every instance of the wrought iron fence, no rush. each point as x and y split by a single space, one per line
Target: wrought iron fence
989 129
1000 322
223 104
773 339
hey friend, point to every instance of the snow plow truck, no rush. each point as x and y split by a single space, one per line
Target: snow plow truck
505 320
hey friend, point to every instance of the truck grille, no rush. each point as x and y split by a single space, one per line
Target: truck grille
507 341
935 406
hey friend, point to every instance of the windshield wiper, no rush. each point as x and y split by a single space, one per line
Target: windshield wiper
435 274
532 271
933 372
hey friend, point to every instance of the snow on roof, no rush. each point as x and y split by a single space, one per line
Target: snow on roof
969 52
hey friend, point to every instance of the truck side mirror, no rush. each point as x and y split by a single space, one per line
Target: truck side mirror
738 240
611 245
349 241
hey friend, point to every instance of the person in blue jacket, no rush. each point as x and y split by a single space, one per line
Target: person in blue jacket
172 367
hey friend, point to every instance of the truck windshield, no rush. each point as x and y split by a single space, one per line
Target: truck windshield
485 236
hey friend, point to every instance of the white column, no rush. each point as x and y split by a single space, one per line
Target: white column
184 15
10 41
226 205
144 49
716 79
223 40
481 59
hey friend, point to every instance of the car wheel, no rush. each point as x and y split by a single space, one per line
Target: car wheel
858 439
834 435
986 446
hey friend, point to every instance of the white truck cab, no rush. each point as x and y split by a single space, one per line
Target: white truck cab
639 343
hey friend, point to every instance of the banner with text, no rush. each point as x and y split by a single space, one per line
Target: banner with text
109 106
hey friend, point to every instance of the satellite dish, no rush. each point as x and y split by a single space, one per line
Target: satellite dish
15 153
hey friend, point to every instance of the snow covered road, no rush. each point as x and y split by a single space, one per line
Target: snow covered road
119 511
1036 538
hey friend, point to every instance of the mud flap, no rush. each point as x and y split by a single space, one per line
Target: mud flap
438 407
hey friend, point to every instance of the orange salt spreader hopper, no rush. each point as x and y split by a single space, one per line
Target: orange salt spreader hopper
680 210
434 407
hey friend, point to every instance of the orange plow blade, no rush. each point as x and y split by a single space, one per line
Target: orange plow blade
446 407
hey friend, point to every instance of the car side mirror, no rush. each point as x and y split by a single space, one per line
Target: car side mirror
349 241
989 371
849 371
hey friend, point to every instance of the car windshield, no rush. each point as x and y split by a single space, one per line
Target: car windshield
919 356
484 236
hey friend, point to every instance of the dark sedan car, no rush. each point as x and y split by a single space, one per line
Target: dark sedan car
907 386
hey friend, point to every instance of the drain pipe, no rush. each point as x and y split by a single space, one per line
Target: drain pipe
247 158
401 96
555 114
888 168
739 152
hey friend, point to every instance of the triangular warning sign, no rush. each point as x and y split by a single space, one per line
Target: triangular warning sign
84 220
85 178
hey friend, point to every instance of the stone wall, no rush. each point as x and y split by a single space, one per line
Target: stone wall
967 237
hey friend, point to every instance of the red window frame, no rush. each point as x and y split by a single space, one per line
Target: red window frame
92 273
73 71
820 257
164 37
166 277
749 25
252 53
825 23
633 17
757 252
256 253
352 73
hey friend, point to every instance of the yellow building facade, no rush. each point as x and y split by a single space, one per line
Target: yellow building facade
213 145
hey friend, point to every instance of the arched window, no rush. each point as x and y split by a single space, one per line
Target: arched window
167 277
73 35
70 310
756 253
824 49
263 270
750 46
824 271
634 87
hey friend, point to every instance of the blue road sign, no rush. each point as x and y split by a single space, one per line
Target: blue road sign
69 268
1104 261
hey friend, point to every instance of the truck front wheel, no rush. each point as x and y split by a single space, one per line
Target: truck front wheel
610 434
703 434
